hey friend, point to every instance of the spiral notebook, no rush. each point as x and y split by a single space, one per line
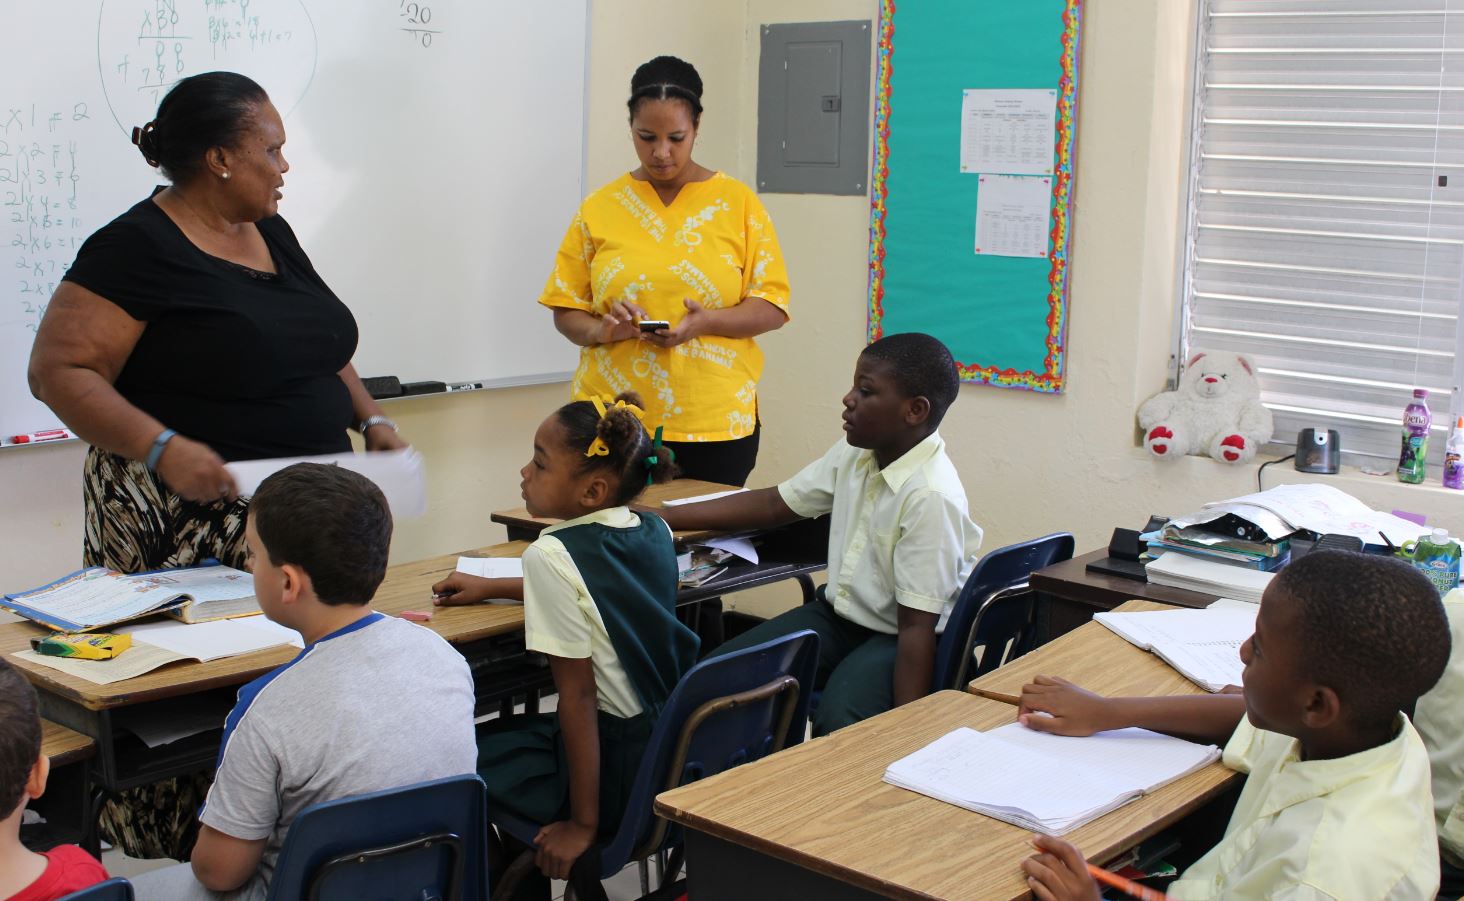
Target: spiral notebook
1047 783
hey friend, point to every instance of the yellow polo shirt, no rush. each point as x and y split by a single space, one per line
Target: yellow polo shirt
714 244
1440 719
560 616
898 536
1355 827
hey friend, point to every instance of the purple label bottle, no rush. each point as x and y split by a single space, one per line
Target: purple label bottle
1412 462
1454 456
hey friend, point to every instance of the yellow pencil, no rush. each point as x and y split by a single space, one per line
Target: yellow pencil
1014 700
1127 886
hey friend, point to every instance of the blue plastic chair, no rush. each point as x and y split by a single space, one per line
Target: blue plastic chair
993 612
726 711
114 889
425 842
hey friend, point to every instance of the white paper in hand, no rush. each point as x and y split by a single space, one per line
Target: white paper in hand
400 474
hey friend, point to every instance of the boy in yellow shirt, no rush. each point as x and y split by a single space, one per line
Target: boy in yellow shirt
1337 803
901 542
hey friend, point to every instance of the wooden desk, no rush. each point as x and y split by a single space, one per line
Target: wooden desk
63 746
818 821
1094 657
1071 595
523 526
795 551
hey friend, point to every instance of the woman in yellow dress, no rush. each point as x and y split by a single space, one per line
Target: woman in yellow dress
674 241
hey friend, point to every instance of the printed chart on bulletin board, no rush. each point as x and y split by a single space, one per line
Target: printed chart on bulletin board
971 214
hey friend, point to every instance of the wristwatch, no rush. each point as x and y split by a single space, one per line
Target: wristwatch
376 420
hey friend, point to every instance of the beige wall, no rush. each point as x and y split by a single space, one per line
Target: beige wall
1032 464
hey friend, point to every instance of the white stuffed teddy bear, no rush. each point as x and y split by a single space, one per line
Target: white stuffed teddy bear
1217 411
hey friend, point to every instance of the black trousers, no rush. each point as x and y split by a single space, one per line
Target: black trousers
728 462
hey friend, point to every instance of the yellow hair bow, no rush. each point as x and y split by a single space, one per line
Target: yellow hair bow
598 447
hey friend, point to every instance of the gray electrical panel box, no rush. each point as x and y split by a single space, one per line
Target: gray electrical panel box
813 108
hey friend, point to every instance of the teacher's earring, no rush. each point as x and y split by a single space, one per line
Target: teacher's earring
224 176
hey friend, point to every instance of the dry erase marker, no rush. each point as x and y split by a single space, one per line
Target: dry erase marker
465 386
33 437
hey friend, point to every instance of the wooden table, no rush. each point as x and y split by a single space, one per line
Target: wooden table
523 525
795 551
1071 594
64 746
817 821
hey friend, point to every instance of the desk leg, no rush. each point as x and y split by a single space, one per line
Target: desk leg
718 870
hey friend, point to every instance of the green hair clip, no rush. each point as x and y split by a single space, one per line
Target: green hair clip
654 458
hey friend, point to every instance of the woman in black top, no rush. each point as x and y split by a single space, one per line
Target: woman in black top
192 330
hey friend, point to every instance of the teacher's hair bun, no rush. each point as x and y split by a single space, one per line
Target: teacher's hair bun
666 78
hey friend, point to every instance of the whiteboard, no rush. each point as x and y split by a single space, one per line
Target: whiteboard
436 156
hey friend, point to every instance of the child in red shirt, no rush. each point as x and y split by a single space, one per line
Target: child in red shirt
24 874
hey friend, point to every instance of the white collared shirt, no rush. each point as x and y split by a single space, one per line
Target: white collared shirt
1353 827
897 536
1440 719
560 616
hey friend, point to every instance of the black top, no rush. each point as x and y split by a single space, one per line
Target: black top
241 360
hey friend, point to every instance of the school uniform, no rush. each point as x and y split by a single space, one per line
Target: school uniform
602 587
1440 721
1352 827
898 536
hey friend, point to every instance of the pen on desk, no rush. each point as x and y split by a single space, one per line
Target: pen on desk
465 386
1391 548
1127 886
1014 700
33 437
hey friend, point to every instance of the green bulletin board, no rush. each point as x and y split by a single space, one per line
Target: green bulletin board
1003 317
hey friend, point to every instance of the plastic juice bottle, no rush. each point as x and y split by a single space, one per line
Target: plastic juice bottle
1437 556
1454 456
1412 462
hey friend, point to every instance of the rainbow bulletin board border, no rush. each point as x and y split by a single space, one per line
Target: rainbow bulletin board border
1004 318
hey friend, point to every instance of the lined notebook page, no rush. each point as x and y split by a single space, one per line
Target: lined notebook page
1203 645
1050 783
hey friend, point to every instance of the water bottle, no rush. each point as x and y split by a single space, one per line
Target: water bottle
1454 456
1437 557
1413 461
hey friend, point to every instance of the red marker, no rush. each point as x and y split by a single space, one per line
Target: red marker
33 437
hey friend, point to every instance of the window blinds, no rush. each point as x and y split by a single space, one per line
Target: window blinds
1326 213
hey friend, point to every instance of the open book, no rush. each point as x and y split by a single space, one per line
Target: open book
1046 783
96 598
1203 645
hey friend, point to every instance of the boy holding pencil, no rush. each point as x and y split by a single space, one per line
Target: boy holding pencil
1337 803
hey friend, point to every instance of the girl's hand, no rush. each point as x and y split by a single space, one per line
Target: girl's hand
694 324
619 323
460 588
195 471
384 438
560 845
1071 710
1058 872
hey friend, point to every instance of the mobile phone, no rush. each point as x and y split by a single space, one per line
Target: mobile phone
650 325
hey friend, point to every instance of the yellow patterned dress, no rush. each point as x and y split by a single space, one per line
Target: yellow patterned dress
713 244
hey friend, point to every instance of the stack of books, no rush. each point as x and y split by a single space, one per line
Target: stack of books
1198 541
1208 577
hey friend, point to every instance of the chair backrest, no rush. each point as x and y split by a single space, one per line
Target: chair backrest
115 889
982 615
726 711
425 841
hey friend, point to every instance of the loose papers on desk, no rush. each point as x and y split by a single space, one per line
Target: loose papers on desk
1203 645
158 644
1208 577
492 567
1046 783
400 475
1322 509
96 598
677 502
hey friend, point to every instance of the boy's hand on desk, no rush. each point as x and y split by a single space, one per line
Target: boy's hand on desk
1058 872
1070 710
460 588
560 845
